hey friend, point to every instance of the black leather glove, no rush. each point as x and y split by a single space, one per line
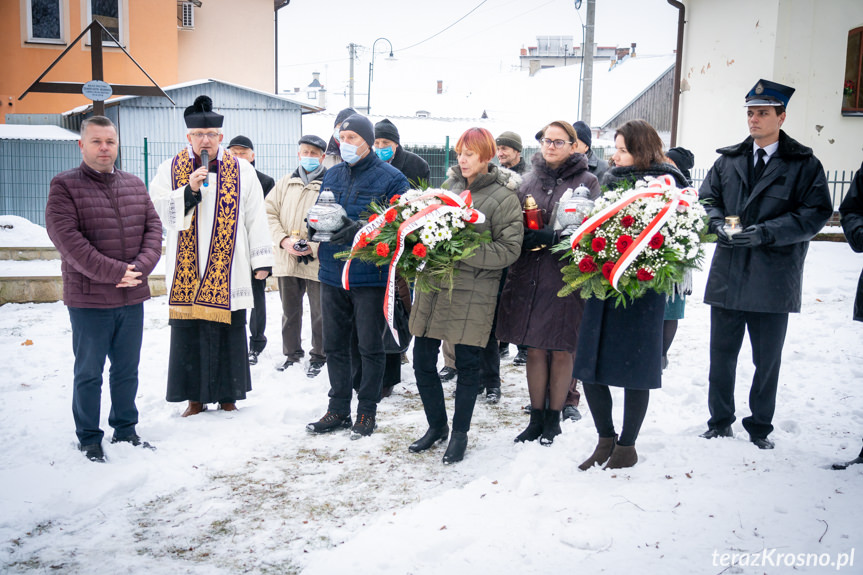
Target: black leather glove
751 237
346 234
536 238
722 238
305 259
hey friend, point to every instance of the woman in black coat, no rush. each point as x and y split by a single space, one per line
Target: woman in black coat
530 313
622 346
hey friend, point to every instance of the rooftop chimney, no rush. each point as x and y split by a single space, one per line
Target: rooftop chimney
632 52
440 86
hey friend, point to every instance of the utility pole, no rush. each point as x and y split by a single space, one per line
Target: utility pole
352 49
587 58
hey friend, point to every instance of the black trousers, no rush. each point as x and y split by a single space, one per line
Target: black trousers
97 334
767 336
258 317
468 359
345 313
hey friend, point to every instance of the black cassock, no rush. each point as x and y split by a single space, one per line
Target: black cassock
209 360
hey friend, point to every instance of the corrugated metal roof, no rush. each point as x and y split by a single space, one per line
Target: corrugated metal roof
29 132
198 84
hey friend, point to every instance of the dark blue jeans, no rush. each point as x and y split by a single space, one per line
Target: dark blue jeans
114 333
468 359
360 310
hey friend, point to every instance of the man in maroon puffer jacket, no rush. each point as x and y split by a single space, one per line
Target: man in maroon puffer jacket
110 238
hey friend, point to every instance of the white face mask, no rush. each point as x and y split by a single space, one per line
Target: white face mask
348 152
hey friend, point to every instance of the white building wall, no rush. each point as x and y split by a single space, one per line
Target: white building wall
729 45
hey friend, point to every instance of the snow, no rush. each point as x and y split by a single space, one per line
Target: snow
251 491
16 231
36 132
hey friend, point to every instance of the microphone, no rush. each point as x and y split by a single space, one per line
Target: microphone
205 160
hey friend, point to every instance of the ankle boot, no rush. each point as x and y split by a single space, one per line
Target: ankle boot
622 456
456 448
550 426
195 407
604 448
534 428
432 436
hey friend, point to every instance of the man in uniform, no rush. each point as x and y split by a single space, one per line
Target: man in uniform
217 237
778 190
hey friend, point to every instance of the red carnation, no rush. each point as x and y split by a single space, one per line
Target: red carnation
623 242
395 199
373 217
382 249
598 244
643 275
362 242
606 270
587 265
657 241
420 251
627 221
390 216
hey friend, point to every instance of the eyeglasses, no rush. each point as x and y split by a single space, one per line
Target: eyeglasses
201 135
556 143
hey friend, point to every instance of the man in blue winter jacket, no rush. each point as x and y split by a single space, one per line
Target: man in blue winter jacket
353 319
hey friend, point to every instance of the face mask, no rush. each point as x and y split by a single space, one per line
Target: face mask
309 164
336 136
385 154
349 153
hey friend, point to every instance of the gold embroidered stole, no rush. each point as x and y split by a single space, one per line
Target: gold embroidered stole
207 297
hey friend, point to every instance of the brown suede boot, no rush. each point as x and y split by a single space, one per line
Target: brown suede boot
195 407
604 449
228 406
622 456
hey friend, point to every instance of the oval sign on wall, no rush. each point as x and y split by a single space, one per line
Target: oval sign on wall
97 90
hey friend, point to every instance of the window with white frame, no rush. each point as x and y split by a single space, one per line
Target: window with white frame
109 13
45 21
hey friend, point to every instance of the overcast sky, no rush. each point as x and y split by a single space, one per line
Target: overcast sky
485 36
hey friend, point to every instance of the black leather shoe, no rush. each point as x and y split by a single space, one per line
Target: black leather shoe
762 442
93 452
456 448
314 369
492 395
448 374
715 432
847 464
288 363
253 357
520 357
135 440
432 436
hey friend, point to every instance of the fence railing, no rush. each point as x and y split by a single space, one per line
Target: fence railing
26 171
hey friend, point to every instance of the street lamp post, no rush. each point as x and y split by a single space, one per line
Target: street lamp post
371 68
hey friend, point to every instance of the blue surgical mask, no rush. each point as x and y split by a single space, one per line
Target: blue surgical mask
309 164
348 153
336 136
385 154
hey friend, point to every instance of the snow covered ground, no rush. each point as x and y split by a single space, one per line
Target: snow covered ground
251 492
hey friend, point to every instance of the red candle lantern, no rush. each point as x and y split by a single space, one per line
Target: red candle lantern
532 214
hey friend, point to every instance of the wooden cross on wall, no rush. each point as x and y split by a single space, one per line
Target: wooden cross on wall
96 64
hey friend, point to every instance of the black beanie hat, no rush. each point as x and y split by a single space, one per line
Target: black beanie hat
343 115
387 130
582 130
362 126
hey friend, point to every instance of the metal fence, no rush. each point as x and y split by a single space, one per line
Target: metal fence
26 168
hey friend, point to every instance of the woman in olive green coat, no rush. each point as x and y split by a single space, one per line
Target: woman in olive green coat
464 316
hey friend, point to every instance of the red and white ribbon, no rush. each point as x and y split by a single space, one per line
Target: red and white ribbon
657 187
459 204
